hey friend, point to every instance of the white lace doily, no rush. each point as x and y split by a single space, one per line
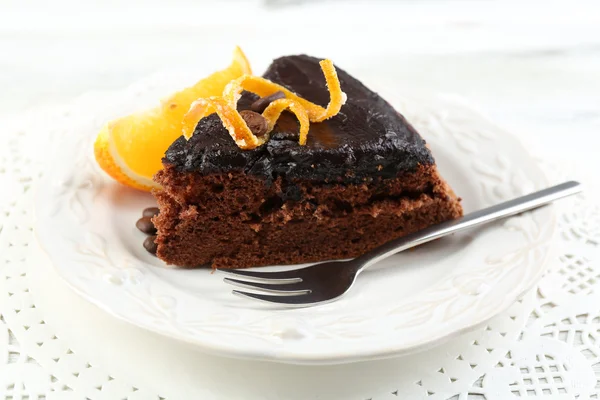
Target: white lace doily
547 344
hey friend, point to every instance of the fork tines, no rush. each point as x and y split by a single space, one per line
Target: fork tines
283 286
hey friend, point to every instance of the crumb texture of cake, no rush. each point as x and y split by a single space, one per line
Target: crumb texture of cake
303 223
364 177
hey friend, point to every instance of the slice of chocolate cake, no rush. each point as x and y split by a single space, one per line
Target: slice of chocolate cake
363 178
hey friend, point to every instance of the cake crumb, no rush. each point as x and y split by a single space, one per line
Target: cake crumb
255 227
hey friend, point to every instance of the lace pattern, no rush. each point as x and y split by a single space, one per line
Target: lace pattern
547 344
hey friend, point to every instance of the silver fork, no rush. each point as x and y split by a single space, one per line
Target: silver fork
325 282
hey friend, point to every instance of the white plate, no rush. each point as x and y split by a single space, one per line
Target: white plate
414 300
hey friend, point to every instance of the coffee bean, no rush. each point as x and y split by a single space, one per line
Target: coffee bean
149 244
256 122
261 104
145 225
150 212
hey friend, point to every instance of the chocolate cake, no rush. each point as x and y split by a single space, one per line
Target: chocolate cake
364 177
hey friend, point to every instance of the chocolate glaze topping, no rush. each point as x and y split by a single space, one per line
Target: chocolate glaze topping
367 139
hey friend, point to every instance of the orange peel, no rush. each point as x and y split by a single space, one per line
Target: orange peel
232 120
225 106
264 87
274 110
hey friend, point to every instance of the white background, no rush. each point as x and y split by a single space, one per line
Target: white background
532 66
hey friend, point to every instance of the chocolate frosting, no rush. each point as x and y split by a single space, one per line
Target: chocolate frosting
367 139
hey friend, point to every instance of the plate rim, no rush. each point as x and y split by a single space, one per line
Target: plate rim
293 357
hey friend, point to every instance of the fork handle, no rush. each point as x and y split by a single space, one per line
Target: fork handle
493 213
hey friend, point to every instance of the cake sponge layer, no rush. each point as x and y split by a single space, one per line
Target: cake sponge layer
234 220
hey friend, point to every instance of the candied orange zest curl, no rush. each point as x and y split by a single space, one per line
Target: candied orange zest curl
305 111
232 120
274 110
264 87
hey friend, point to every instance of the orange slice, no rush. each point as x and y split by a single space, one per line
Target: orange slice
130 149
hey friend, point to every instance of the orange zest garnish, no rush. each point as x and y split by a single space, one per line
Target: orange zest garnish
274 110
225 106
264 87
